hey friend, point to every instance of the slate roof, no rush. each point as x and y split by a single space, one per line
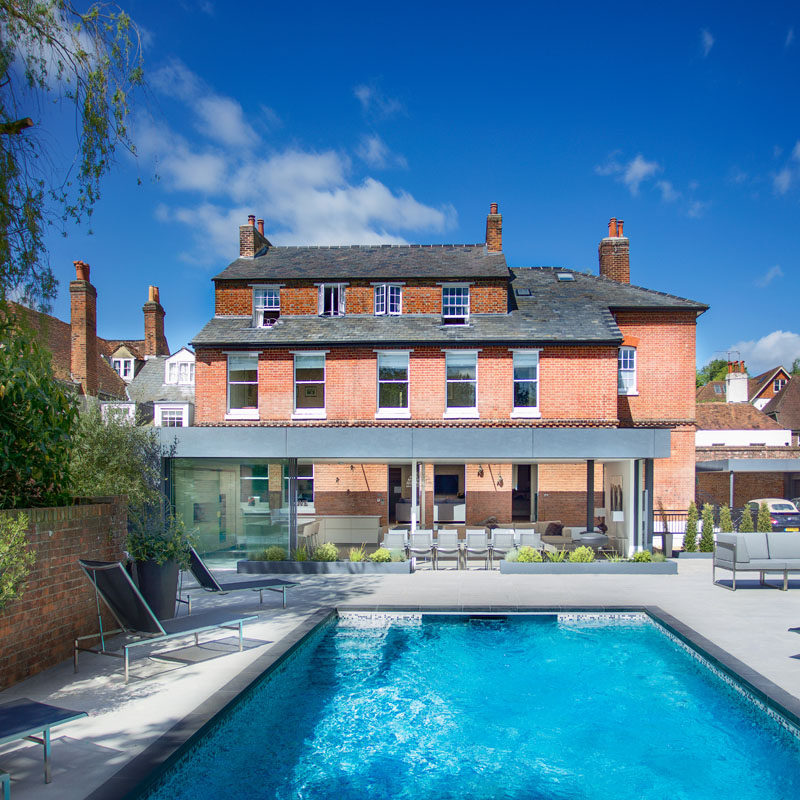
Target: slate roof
733 416
148 386
372 262
785 406
576 311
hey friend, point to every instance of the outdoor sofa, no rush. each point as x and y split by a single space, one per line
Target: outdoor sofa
757 552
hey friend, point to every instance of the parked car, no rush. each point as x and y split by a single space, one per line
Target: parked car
783 514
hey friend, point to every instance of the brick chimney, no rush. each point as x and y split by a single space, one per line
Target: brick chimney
737 389
494 230
252 239
83 327
155 342
615 262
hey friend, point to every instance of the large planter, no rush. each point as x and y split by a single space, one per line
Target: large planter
158 584
592 568
684 554
323 567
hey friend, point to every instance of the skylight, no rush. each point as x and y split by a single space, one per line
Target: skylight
523 292
565 276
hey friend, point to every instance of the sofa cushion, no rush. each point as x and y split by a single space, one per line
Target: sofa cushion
784 545
757 545
554 529
766 564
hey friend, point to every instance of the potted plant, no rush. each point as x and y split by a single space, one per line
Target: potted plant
158 552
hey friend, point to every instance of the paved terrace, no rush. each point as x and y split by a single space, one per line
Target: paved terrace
751 624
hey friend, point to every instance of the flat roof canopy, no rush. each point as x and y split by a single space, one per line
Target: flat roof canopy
750 465
382 445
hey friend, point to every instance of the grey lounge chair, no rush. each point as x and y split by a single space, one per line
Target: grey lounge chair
421 544
477 543
24 719
395 540
447 545
528 538
113 584
204 576
502 542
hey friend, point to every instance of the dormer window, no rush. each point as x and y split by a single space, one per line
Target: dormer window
266 306
123 367
455 305
180 372
388 299
330 302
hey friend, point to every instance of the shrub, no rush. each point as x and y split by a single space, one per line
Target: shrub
707 534
614 558
381 556
161 542
581 555
327 551
398 555
275 553
357 554
16 556
763 522
301 553
642 556
725 521
746 522
512 556
528 555
659 557
556 556
690 537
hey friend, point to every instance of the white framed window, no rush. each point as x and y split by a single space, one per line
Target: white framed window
626 383
393 384
266 305
124 367
526 383
388 299
180 372
455 305
778 384
309 385
172 418
461 379
330 302
243 385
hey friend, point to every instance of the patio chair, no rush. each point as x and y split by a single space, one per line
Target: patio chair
113 584
502 542
395 540
447 544
24 719
477 543
204 576
529 538
421 544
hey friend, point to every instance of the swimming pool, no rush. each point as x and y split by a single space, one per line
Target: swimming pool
518 706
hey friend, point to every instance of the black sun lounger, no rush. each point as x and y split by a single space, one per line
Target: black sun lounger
204 576
24 719
136 618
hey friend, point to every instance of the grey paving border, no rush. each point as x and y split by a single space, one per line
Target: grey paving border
143 770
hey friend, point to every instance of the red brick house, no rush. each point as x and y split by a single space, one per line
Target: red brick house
370 376
757 391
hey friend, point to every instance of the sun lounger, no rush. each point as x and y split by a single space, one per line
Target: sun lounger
502 542
25 719
421 544
113 584
477 543
447 544
204 576
395 540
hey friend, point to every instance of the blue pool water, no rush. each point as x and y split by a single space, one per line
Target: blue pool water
526 707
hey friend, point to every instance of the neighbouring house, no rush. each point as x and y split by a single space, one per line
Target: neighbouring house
739 387
784 408
348 389
83 361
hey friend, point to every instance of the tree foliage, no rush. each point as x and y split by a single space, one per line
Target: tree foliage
725 520
16 556
55 57
715 370
763 521
795 370
37 417
690 535
746 522
706 544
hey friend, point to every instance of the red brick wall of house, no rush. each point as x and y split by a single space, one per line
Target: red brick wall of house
562 492
714 487
485 496
300 297
210 385
38 628
674 477
362 490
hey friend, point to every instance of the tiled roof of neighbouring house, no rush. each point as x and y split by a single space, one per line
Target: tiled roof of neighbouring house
733 416
149 387
760 382
785 406
371 262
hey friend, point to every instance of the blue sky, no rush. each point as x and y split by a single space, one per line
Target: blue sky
355 123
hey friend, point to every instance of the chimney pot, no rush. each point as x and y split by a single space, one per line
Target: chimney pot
494 230
612 227
81 271
251 219
619 227
493 208
261 226
614 254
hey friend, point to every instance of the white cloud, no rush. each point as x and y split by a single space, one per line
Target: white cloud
668 192
373 151
770 275
632 174
776 348
305 197
796 151
782 180
697 208
375 103
789 38
707 42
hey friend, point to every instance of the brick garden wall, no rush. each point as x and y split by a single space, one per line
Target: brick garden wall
37 629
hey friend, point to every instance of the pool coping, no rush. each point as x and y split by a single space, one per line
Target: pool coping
145 768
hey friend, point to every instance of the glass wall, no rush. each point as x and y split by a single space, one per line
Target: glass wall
233 506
